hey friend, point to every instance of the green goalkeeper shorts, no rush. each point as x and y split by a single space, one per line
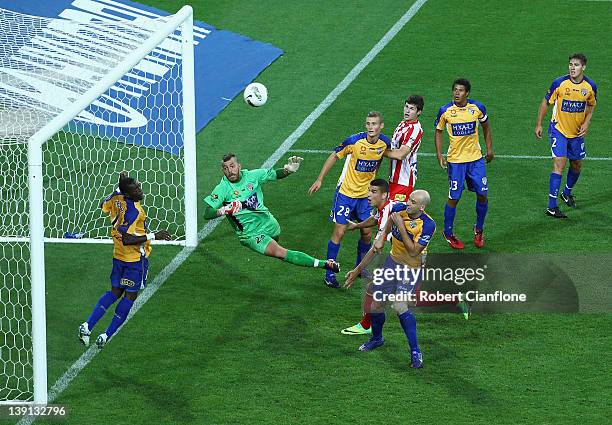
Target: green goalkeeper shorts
259 239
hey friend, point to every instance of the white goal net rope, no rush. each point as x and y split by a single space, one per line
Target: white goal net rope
136 125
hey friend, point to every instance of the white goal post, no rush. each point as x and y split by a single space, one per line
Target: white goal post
74 155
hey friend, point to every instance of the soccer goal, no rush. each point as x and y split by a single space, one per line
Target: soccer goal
80 102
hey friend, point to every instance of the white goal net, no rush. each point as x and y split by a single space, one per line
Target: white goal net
80 102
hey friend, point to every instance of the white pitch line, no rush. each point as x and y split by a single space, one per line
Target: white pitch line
594 158
63 382
350 77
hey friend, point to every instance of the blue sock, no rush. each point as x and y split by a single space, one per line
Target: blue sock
378 321
102 305
572 178
481 212
408 322
449 219
121 313
362 249
332 253
553 191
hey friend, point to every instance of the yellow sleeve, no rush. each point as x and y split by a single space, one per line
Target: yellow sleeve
107 206
591 99
441 122
552 96
346 150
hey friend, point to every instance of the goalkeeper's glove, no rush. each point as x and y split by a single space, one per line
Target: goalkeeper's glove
232 208
293 164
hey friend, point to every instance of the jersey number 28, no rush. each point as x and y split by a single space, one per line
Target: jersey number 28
345 211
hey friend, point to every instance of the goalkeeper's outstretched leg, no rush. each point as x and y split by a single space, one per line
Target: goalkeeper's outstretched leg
239 198
298 258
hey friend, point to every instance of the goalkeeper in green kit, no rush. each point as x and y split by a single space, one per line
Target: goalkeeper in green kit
239 197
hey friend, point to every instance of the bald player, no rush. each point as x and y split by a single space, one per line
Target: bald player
411 229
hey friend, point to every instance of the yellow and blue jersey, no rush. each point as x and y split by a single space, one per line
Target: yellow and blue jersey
570 100
420 229
461 123
362 161
126 216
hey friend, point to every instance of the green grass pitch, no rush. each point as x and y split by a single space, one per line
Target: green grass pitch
234 338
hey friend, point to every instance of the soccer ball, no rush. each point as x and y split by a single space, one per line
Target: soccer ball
256 94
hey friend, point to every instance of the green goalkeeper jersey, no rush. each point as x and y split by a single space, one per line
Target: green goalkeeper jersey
254 213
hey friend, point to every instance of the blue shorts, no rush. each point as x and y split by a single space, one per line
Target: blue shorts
407 281
561 146
473 173
346 208
132 276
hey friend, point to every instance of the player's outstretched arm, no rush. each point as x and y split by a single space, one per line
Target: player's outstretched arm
292 165
438 140
161 235
122 175
541 113
367 223
399 154
367 259
329 163
352 275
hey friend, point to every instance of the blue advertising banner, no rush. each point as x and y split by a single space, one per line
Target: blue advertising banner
225 63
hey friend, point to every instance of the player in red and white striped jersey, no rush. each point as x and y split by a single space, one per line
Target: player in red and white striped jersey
378 197
405 143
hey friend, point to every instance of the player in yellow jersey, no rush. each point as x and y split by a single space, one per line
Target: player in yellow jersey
464 161
574 97
411 229
363 152
131 238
